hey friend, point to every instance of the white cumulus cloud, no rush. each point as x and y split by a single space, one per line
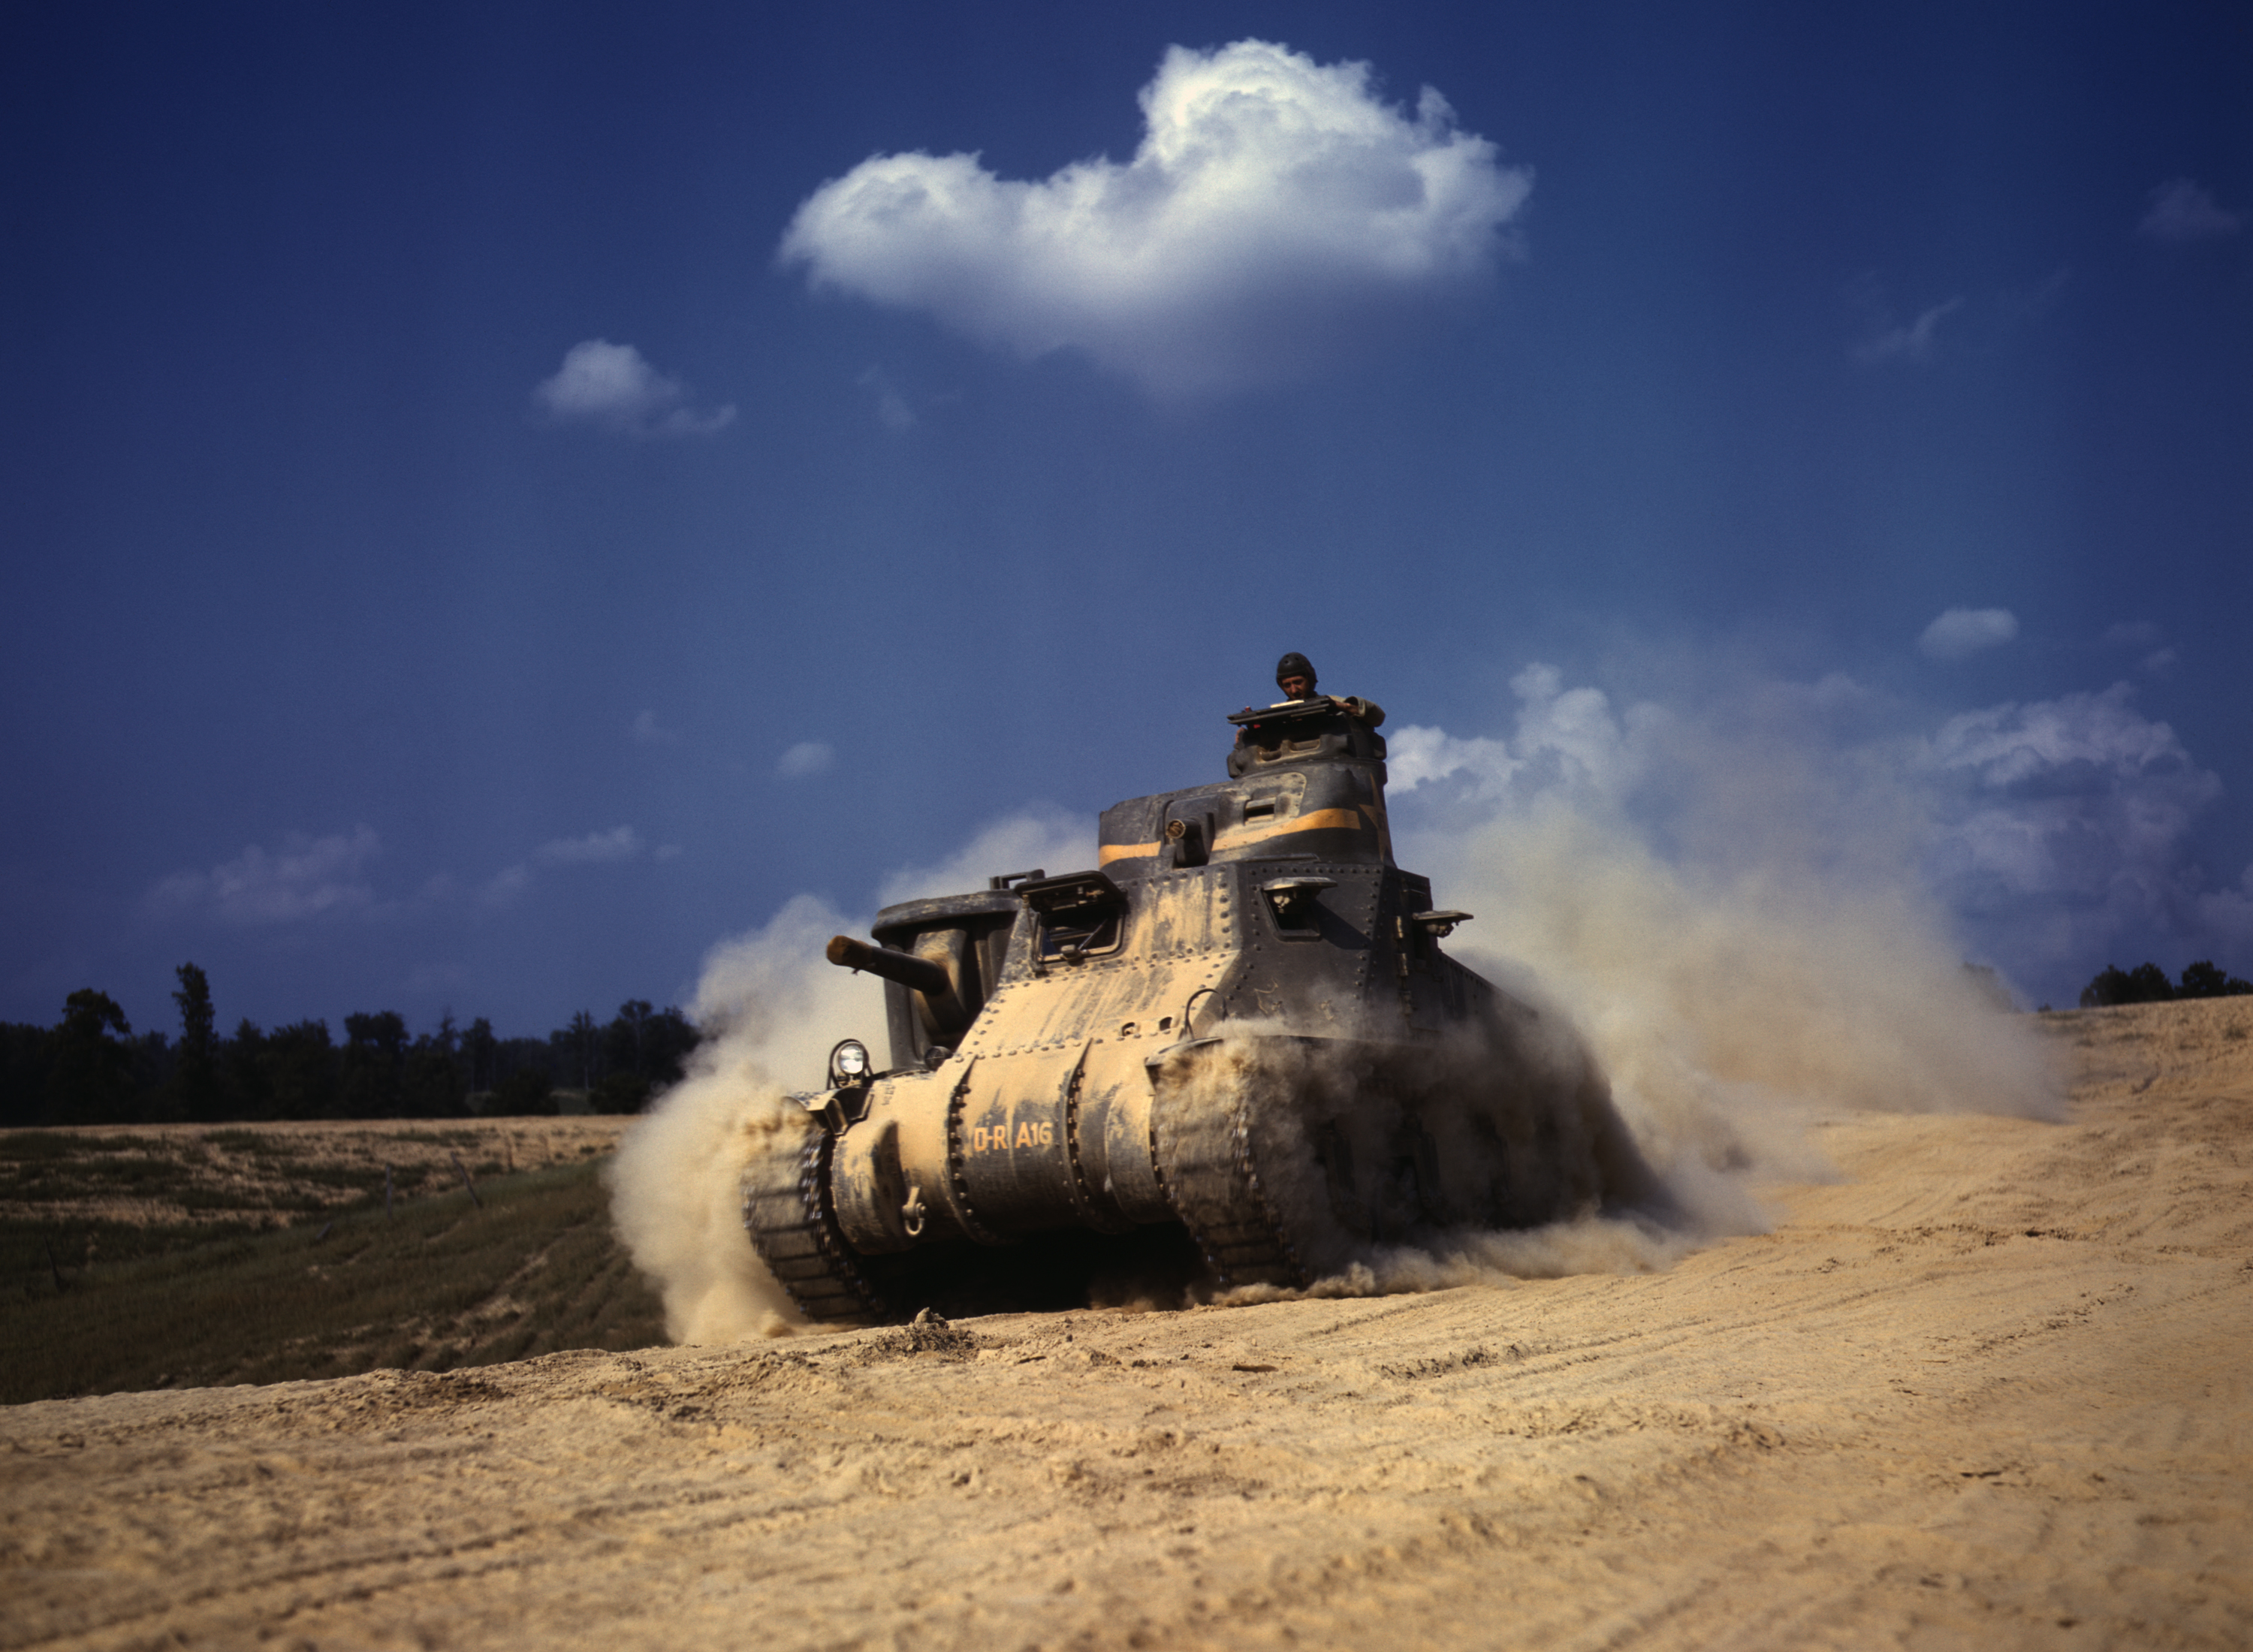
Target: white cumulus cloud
1962 632
1272 199
306 878
614 388
2182 210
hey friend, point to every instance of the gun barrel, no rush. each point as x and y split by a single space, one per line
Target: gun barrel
927 977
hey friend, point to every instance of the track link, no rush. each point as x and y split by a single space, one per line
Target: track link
787 1213
1212 1173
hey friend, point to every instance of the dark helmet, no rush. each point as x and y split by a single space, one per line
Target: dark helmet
1294 666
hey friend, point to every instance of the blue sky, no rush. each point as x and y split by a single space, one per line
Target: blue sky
499 500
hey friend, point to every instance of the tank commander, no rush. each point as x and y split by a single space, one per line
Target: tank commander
1294 675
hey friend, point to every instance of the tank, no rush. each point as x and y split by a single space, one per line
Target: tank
1237 1045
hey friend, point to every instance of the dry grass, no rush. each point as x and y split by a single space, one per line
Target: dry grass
297 1270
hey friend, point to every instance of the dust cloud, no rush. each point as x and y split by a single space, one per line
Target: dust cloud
1730 905
776 1009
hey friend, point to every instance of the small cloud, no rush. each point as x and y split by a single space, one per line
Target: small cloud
620 843
892 409
2100 739
306 878
1274 207
613 388
2158 660
1039 838
1570 742
667 852
2137 633
2182 210
807 757
647 731
505 885
1417 756
1961 632
1912 342
597 849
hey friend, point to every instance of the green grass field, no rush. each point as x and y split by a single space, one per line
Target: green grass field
97 1307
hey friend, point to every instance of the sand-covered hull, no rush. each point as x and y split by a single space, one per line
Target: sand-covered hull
1242 1029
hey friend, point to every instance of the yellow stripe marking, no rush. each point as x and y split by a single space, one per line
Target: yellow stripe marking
1319 820
1236 837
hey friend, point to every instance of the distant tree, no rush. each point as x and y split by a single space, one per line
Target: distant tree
154 1100
374 1065
249 1073
431 1086
2145 983
669 1038
526 1092
300 1069
25 1050
579 1049
197 1090
513 1055
620 1091
2150 984
2204 979
90 1068
623 1040
479 1048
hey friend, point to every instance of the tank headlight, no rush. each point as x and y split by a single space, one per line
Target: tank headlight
848 1064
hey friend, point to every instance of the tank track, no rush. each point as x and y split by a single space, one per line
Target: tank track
786 1212
1212 1173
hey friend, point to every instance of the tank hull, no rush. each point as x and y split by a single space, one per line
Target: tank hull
1242 1027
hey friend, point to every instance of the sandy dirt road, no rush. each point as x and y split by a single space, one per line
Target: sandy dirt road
1994 1387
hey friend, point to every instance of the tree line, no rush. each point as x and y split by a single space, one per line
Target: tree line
92 1067
2148 984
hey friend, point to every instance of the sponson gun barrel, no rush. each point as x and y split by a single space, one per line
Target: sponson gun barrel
920 973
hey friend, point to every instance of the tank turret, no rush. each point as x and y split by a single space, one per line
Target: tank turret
1239 1032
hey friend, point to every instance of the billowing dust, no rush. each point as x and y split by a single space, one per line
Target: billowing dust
1764 957
775 1008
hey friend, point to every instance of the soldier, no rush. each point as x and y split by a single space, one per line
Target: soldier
1294 675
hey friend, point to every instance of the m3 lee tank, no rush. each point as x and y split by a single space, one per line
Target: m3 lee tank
1241 1024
